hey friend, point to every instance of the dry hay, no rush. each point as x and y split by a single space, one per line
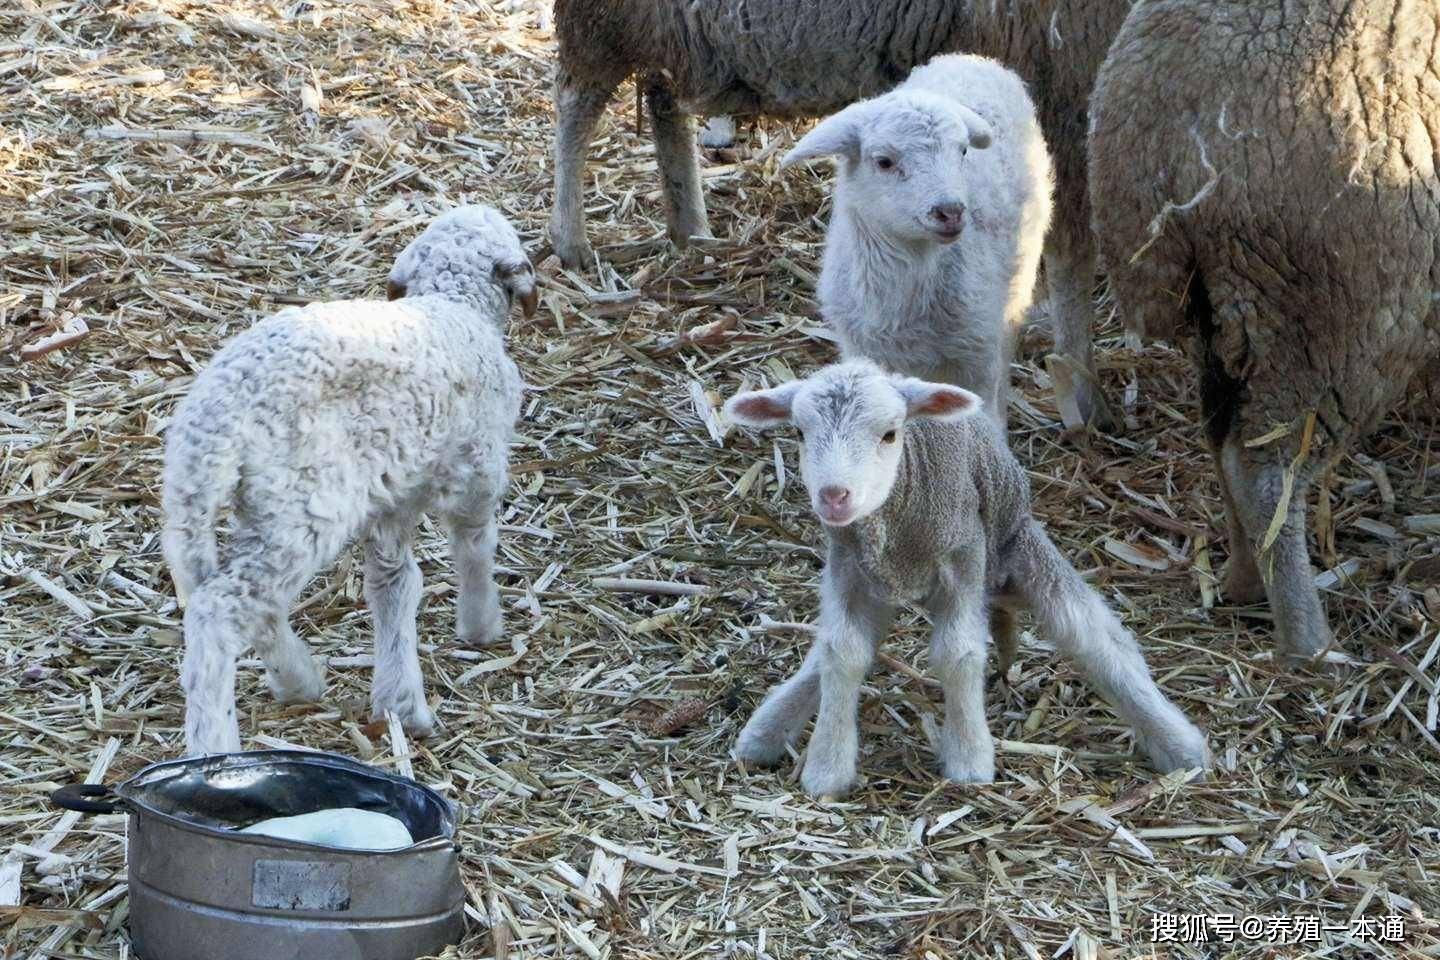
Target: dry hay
170 172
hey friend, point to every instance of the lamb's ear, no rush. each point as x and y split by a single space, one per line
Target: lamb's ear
394 289
936 401
763 408
518 278
979 127
836 135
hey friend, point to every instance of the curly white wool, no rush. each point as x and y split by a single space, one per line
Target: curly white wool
340 420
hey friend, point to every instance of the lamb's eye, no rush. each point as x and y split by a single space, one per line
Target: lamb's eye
889 437
884 163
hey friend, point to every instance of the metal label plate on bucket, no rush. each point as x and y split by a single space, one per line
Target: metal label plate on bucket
301 885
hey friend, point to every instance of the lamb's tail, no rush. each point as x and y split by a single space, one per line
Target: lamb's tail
202 471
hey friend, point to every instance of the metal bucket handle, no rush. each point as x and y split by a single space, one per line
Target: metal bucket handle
86 798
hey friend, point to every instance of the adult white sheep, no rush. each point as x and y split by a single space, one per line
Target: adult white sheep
338 420
940 213
921 503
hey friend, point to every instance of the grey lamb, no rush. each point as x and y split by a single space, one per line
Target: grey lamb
922 502
799 58
341 420
1265 185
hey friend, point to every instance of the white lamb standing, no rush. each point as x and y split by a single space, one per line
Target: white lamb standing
921 503
341 420
940 213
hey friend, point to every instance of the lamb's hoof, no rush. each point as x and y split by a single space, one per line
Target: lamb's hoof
762 748
1181 747
417 721
978 768
200 742
490 634
306 685
827 782
420 724
1243 584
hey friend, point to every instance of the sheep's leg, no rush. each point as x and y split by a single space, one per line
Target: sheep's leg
472 547
1243 583
578 108
957 655
1070 278
679 162
1085 629
1301 628
781 717
290 670
217 624
392 589
266 559
851 627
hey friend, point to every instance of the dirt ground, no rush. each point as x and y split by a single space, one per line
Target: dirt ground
170 172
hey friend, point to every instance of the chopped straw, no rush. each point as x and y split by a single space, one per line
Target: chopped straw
172 171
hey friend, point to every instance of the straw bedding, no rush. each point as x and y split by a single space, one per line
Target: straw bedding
170 172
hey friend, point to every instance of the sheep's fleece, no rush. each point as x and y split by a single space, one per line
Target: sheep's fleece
1264 183
332 421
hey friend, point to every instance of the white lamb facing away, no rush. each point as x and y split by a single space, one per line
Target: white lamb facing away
941 208
341 420
922 503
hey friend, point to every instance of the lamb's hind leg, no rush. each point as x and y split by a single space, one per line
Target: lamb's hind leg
472 548
1083 627
578 107
679 162
1301 628
275 572
781 717
392 589
219 626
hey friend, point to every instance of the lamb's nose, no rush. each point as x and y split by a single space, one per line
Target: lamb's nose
947 214
834 496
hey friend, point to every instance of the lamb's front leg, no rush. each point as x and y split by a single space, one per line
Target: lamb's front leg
392 589
957 655
851 627
477 605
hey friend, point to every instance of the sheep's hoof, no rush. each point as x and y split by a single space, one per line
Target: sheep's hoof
307 685
979 768
575 254
827 782
420 724
1180 747
1243 584
761 747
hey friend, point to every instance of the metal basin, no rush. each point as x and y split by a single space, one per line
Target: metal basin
199 890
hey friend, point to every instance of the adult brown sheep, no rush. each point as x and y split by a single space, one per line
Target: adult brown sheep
1263 180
